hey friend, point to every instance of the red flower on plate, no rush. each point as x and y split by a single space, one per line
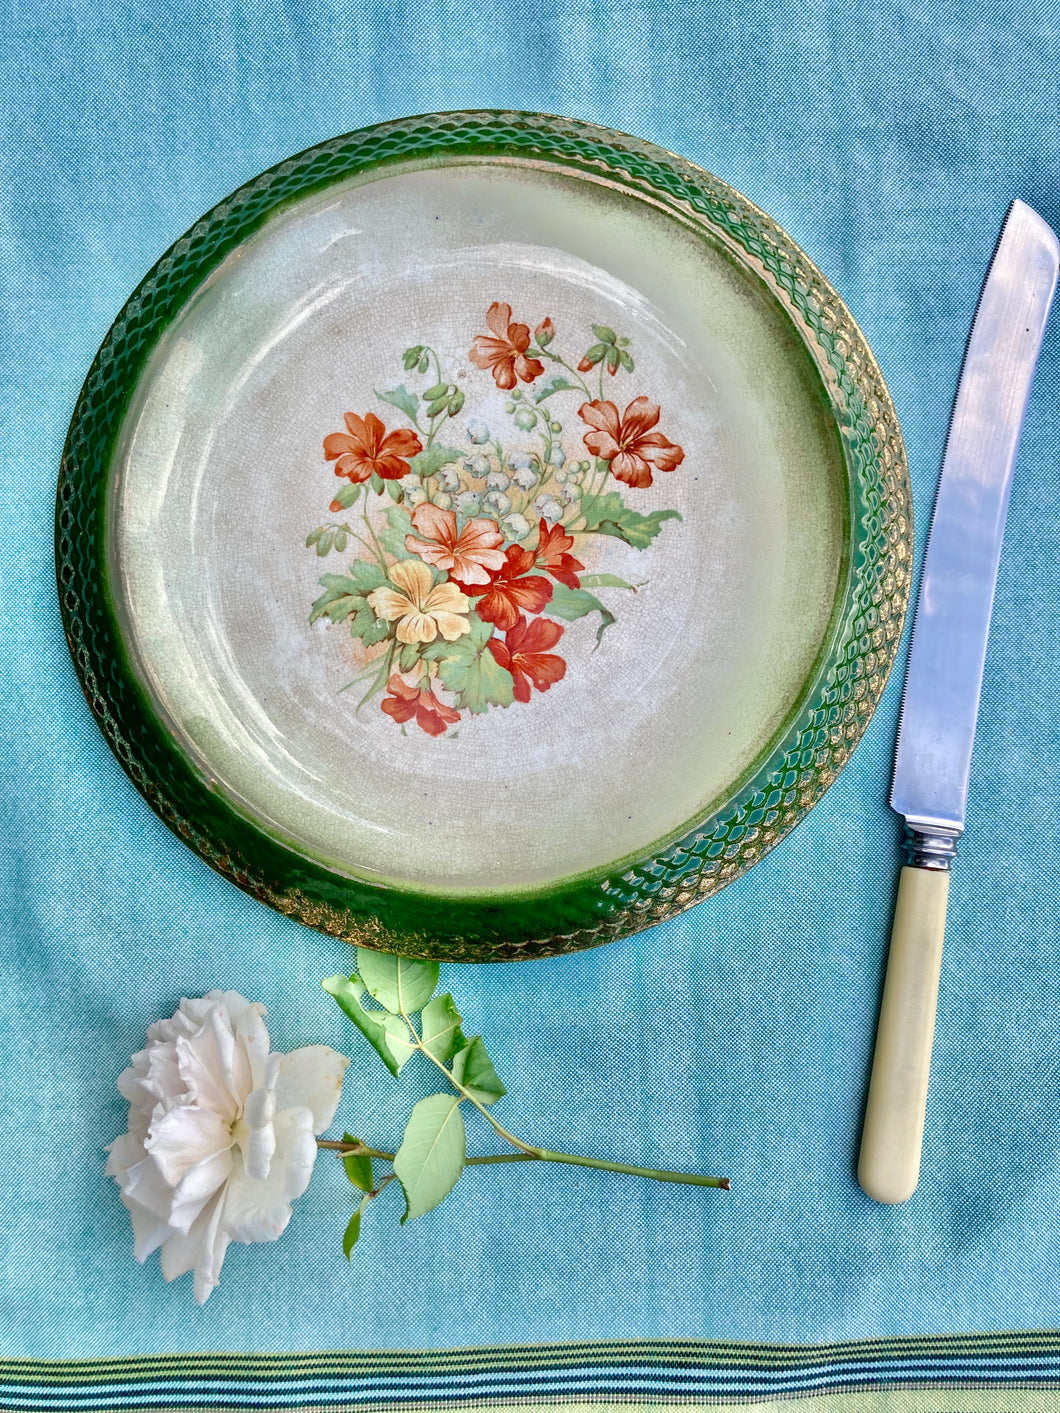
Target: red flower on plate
503 350
551 554
525 654
366 449
628 442
513 591
472 556
405 702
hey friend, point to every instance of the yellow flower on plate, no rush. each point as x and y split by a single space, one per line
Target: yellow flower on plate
422 609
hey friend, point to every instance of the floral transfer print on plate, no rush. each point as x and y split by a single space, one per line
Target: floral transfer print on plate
467 555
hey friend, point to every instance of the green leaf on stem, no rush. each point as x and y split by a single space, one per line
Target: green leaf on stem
394 491
377 483
432 459
397 1037
346 992
358 1166
468 668
440 1028
557 382
402 399
473 1068
432 1154
350 1235
608 515
604 334
572 604
411 357
398 983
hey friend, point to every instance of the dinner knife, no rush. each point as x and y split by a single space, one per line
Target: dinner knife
943 680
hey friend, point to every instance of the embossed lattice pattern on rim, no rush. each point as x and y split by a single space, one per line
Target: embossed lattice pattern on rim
710 855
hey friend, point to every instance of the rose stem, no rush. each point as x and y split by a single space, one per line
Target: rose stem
544 1155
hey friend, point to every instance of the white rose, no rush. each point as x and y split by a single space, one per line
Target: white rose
220 1136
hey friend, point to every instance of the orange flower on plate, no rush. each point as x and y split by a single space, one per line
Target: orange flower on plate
404 702
628 442
473 555
366 448
503 350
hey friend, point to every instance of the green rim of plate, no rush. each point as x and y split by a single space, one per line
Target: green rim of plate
812 747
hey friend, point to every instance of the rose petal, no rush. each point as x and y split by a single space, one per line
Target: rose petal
206 1063
259 1210
258 1137
124 1153
202 1248
311 1078
186 1136
149 1231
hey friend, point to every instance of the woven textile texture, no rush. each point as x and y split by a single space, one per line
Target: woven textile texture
888 140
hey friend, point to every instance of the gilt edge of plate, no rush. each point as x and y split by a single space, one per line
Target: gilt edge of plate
799 765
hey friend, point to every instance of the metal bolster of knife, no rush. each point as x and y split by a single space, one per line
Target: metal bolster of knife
931 848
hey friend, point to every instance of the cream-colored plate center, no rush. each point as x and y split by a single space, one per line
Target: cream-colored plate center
221 476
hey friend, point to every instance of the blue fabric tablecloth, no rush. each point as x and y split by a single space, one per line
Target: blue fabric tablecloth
888 139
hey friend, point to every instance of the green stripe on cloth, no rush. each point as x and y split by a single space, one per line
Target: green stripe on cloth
990 1373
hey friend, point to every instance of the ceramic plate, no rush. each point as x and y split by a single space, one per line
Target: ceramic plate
483 535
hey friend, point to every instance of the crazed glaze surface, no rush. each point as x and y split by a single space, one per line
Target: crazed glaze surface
223 777
221 475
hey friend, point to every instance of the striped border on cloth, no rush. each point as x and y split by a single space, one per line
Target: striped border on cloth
1005 1373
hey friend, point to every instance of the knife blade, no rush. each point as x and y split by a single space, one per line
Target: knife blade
944 679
